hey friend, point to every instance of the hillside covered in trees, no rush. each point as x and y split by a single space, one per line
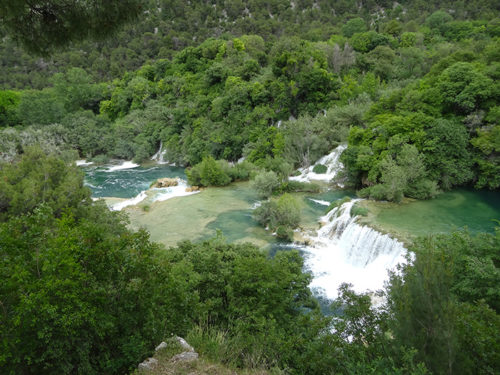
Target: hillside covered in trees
417 104
411 89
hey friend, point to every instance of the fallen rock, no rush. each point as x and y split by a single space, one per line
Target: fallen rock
148 364
185 357
190 189
166 182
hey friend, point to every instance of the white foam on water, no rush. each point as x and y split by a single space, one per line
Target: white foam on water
331 161
173 191
346 252
124 165
83 163
256 205
319 201
129 202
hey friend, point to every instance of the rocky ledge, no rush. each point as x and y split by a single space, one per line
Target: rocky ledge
166 182
187 355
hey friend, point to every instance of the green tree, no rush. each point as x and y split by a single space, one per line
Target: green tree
50 24
464 87
9 100
209 172
446 153
36 179
443 303
265 183
353 26
76 90
40 108
281 214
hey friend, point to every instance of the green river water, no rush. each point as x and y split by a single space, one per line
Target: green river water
229 209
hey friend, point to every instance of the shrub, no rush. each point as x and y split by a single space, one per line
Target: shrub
265 183
284 233
280 215
298 186
209 172
287 211
242 171
320 169
357 210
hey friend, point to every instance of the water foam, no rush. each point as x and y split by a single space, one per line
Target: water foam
173 191
83 163
319 201
124 165
331 161
129 202
346 252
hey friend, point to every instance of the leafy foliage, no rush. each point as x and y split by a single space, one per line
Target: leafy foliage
281 214
50 24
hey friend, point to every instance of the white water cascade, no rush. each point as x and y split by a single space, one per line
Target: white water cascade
331 161
346 252
156 194
158 157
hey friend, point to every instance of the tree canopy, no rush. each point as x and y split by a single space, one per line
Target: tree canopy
44 25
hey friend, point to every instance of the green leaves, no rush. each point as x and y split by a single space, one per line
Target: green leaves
38 179
464 87
445 303
53 24
281 214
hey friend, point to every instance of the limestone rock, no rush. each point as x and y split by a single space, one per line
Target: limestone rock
162 345
183 343
185 357
166 182
192 188
148 364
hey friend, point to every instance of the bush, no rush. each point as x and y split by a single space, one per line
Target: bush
320 168
265 183
357 210
298 186
282 213
284 233
242 171
100 159
209 172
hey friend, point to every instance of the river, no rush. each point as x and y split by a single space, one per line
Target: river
341 251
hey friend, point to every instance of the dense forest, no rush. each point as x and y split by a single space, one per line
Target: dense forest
412 88
417 104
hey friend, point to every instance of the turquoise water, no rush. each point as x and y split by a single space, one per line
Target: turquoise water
126 183
460 208
449 211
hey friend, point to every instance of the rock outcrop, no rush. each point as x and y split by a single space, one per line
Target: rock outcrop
190 189
187 355
148 364
166 182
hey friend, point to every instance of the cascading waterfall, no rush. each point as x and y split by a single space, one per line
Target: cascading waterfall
158 157
331 161
344 251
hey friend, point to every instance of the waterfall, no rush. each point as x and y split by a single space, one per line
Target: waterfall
158 157
331 161
344 251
